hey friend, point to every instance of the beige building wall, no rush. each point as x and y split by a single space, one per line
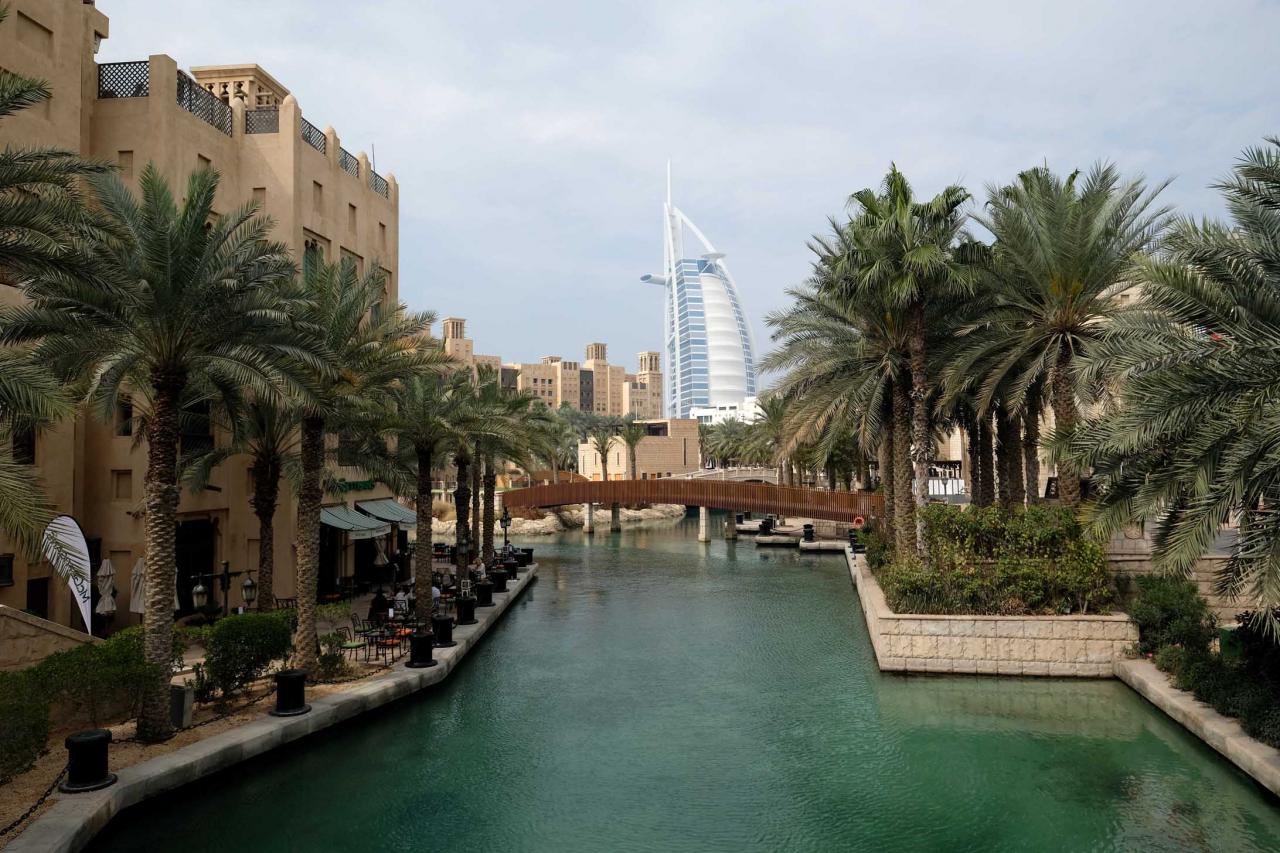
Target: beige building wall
669 450
322 198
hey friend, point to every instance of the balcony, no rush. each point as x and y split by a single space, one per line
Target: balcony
124 79
203 104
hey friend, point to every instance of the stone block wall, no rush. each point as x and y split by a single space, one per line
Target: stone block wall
1084 646
25 640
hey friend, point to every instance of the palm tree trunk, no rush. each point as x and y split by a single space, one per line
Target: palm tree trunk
1017 486
975 456
555 471
1004 449
1064 416
461 510
631 454
310 496
422 549
921 440
904 506
884 461
160 530
266 495
477 465
490 500
1031 443
986 485
861 471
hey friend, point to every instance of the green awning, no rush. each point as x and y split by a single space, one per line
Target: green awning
386 509
356 524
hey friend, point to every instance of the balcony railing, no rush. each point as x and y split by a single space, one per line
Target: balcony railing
313 136
378 184
262 120
349 162
203 104
124 79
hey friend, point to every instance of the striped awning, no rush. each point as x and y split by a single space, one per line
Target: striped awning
356 524
386 509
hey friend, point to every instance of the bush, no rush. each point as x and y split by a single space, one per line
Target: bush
986 560
24 722
100 680
1170 612
879 548
332 663
242 647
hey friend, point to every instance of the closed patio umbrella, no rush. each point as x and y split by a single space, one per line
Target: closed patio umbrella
106 588
137 578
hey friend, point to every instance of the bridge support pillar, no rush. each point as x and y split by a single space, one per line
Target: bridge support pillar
704 526
588 518
731 527
615 518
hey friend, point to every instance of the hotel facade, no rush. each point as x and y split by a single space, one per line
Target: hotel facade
325 200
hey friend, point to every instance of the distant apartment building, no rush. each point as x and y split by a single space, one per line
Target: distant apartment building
669 448
592 385
327 202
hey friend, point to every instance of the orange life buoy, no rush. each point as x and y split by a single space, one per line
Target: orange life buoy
859 521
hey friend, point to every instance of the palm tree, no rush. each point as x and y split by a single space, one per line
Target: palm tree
631 433
556 444
356 353
179 300
1062 254
1191 438
267 432
601 439
508 429
904 251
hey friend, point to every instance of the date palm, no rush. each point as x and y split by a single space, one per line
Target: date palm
1062 254
632 433
355 351
601 439
178 299
1193 436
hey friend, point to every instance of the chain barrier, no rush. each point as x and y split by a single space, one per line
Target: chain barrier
22 818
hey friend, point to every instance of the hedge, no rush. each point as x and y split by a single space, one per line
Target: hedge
240 648
24 722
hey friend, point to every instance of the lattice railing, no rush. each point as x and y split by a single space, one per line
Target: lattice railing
124 79
378 184
262 120
203 104
314 136
349 162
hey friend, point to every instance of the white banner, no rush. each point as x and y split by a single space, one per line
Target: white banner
68 552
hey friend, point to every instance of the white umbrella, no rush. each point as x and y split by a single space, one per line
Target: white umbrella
106 588
137 579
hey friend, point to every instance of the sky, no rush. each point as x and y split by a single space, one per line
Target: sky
530 139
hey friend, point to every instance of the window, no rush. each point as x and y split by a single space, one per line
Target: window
125 161
124 416
260 196
382 237
6 570
24 446
351 217
34 35
317 196
203 162
122 485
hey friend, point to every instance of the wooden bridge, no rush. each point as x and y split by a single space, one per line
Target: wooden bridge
711 494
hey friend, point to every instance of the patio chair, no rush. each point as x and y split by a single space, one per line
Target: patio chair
385 646
351 643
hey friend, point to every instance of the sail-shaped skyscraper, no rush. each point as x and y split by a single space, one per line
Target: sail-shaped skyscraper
710 355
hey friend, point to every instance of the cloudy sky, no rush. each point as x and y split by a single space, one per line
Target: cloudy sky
530 139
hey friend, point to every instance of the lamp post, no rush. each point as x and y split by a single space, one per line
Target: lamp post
505 521
200 594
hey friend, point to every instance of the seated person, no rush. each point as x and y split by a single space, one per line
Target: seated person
402 600
378 607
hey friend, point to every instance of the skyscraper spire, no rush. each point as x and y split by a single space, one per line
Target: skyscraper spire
668 181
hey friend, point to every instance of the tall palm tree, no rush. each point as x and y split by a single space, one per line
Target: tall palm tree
631 433
356 352
1193 433
1062 254
601 438
267 432
179 300
509 429
556 444
904 251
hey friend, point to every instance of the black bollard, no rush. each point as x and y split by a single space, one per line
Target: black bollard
87 762
420 651
466 607
499 578
291 693
484 593
526 557
808 533
442 628
512 568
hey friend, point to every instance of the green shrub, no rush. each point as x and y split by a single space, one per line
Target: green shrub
986 560
879 548
100 680
332 663
24 722
1170 659
1169 611
241 648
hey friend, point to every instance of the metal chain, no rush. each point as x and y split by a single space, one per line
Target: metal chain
29 812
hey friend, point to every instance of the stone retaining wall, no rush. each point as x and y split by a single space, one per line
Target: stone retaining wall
1085 646
25 640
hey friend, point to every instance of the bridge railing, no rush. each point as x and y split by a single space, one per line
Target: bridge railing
715 494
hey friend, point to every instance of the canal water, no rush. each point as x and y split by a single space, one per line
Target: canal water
650 693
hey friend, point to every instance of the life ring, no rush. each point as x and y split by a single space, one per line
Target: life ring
859 521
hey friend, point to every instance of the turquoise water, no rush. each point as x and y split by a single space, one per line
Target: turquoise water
652 693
